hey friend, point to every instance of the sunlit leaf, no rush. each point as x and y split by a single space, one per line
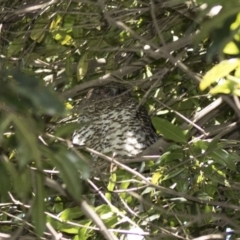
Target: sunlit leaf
225 87
69 229
112 182
231 48
155 178
71 213
67 40
56 22
82 67
219 71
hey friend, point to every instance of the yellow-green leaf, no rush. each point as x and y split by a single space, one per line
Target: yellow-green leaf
67 40
225 87
112 182
56 22
71 213
231 48
155 178
219 71
82 67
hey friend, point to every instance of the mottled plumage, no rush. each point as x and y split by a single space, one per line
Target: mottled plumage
113 122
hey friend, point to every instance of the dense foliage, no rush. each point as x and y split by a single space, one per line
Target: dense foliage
181 59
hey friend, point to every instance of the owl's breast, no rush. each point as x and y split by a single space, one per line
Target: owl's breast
117 130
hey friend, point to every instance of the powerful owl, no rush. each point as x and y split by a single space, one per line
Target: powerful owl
112 121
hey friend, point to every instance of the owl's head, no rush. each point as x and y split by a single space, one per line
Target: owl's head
107 91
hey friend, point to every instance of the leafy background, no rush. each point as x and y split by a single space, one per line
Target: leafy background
180 59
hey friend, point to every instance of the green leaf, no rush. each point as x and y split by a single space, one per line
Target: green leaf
4 123
19 180
66 130
109 217
219 27
173 174
68 21
111 186
69 66
71 214
54 223
4 180
168 130
16 46
43 99
112 182
69 229
77 32
223 158
124 185
22 185
202 145
84 232
56 22
38 209
219 71
27 141
171 155
58 206
69 165
212 145
39 30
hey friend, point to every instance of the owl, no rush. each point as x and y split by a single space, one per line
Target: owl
112 121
